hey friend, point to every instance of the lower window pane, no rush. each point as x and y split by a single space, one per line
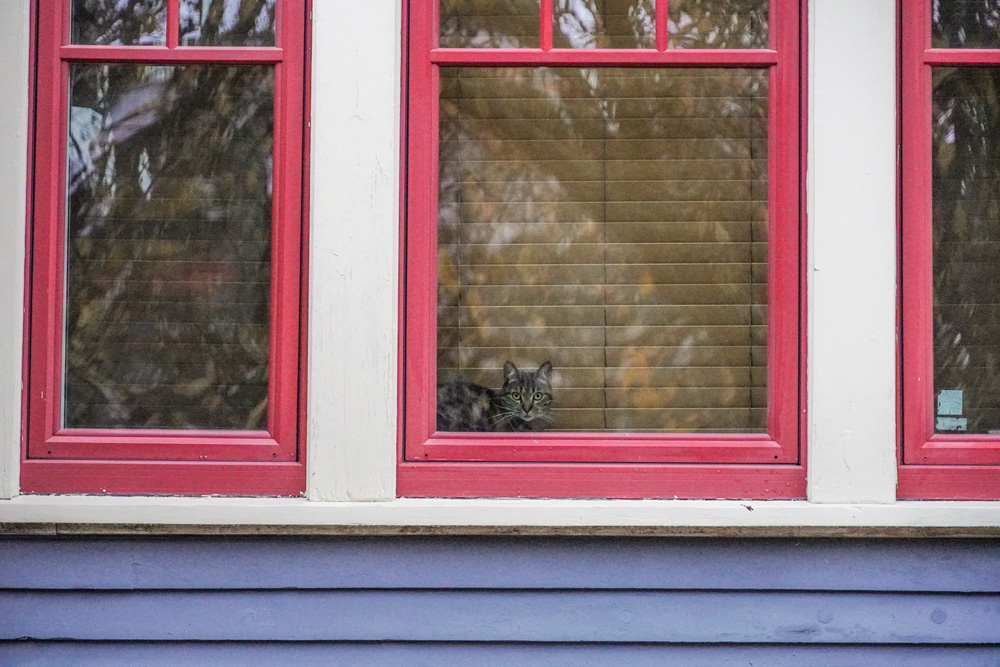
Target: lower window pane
168 246
966 246
612 222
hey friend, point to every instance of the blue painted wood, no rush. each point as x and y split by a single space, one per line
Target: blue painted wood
504 616
543 563
264 654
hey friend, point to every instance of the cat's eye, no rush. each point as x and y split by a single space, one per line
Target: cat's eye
516 395
538 396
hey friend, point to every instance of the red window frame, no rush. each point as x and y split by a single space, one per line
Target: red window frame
61 460
768 465
931 465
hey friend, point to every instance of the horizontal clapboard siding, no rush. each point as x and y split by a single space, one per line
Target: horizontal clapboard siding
509 615
488 601
431 654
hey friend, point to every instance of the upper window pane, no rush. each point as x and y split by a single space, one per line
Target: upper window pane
117 23
497 24
717 24
966 210
227 22
973 24
168 247
612 222
604 24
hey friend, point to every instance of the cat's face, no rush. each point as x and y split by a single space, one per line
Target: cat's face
527 395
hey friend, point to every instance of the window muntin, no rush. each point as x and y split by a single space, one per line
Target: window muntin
166 259
777 440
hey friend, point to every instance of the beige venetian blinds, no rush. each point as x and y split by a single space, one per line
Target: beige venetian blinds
612 221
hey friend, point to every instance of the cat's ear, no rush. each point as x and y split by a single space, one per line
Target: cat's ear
509 372
545 372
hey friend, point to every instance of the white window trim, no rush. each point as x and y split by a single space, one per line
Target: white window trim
353 314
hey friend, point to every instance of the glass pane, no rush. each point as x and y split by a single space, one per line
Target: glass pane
966 242
973 24
604 24
116 23
612 222
168 246
227 22
717 24
496 24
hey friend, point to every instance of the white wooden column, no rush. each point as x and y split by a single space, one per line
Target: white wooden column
354 251
13 186
852 251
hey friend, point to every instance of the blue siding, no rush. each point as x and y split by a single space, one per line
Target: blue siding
478 601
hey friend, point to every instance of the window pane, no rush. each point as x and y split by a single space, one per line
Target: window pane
973 24
497 24
611 221
966 219
604 24
114 23
227 22
717 24
168 246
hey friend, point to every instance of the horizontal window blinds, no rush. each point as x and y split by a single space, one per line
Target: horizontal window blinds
612 221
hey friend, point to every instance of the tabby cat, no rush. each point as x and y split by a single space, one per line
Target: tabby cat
521 404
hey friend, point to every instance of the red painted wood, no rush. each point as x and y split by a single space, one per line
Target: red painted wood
803 243
451 473
954 455
163 477
173 23
588 480
660 22
948 482
180 55
547 18
46 441
597 447
595 57
952 57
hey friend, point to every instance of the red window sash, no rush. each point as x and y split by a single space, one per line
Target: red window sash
931 465
605 464
60 460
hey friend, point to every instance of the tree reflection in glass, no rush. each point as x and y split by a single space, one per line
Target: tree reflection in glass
972 24
227 22
604 24
119 22
612 221
496 24
717 24
168 246
966 245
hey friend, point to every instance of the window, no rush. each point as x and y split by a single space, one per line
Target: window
603 243
950 234
166 248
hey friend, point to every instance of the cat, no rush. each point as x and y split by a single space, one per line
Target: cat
521 404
